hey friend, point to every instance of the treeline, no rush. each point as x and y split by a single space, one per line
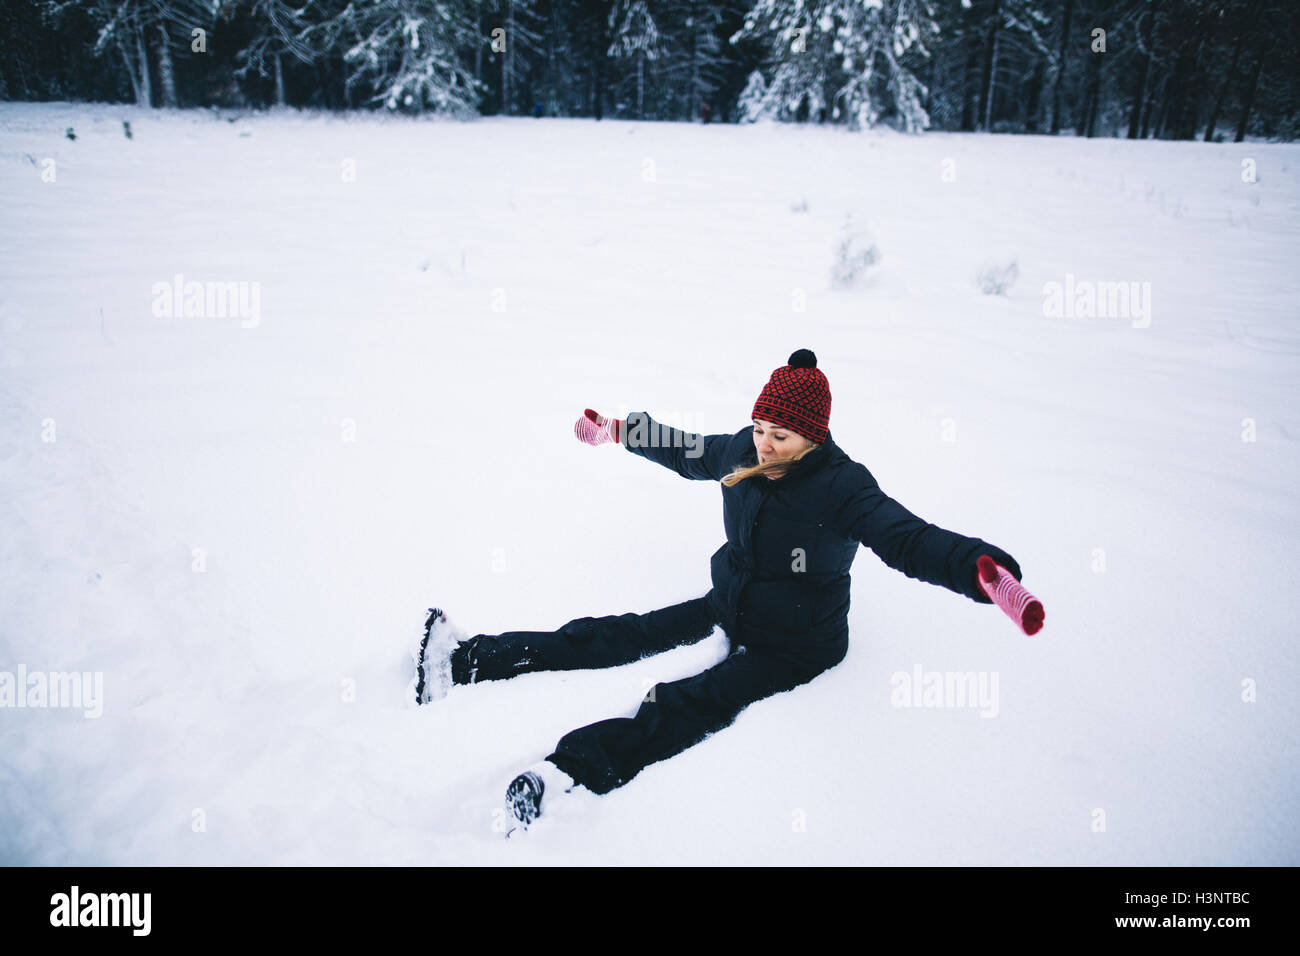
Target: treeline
1169 69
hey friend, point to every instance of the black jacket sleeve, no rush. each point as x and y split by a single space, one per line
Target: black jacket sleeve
917 548
691 455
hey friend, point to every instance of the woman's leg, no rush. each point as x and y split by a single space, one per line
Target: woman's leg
607 754
585 642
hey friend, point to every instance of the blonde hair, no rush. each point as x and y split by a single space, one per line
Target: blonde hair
780 466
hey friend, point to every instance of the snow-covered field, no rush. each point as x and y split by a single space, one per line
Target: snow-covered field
239 521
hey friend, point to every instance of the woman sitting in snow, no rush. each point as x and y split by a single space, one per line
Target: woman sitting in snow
796 508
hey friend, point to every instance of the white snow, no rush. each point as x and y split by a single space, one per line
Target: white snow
456 307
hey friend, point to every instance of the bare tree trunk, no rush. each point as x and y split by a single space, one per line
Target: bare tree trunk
478 48
1181 118
130 72
1155 91
1171 110
1223 90
640 83
1035 96
165 71
1139 97
1167 93
602 55
1093 108
1135 115
692 112
552 80
145 89
967 92
1252 89
993 85
1093 99
507 60
279 79
1195 94
1060 72
990 54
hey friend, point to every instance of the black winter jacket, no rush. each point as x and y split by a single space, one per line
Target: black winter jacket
781 580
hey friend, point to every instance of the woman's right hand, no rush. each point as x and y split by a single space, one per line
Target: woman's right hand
594 429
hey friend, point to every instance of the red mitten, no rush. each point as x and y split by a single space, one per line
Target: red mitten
594 429
1010 595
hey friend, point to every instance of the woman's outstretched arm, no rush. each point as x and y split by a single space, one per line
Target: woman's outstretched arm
691 455
909 544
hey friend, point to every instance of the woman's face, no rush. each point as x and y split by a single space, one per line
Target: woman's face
775 442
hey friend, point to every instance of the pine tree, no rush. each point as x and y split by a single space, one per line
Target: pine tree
879 36
853 56
799 53
634 35
750 105
407 55
694 52
278 31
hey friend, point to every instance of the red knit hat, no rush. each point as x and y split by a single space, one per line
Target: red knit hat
798 397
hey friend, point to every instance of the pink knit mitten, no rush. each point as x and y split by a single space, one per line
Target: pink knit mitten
594 429
1010 595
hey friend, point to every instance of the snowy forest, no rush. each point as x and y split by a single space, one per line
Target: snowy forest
1160 69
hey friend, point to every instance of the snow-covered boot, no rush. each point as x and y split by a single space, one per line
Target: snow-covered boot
535 788
432 656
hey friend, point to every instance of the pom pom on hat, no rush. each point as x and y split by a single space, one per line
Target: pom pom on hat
803 358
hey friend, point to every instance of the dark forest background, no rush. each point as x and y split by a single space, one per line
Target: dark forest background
1167 69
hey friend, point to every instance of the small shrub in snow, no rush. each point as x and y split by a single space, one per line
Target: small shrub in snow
994 278
855 254
751 106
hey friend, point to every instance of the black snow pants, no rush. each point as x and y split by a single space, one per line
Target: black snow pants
672 717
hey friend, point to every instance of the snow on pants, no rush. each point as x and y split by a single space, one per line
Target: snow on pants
673 717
